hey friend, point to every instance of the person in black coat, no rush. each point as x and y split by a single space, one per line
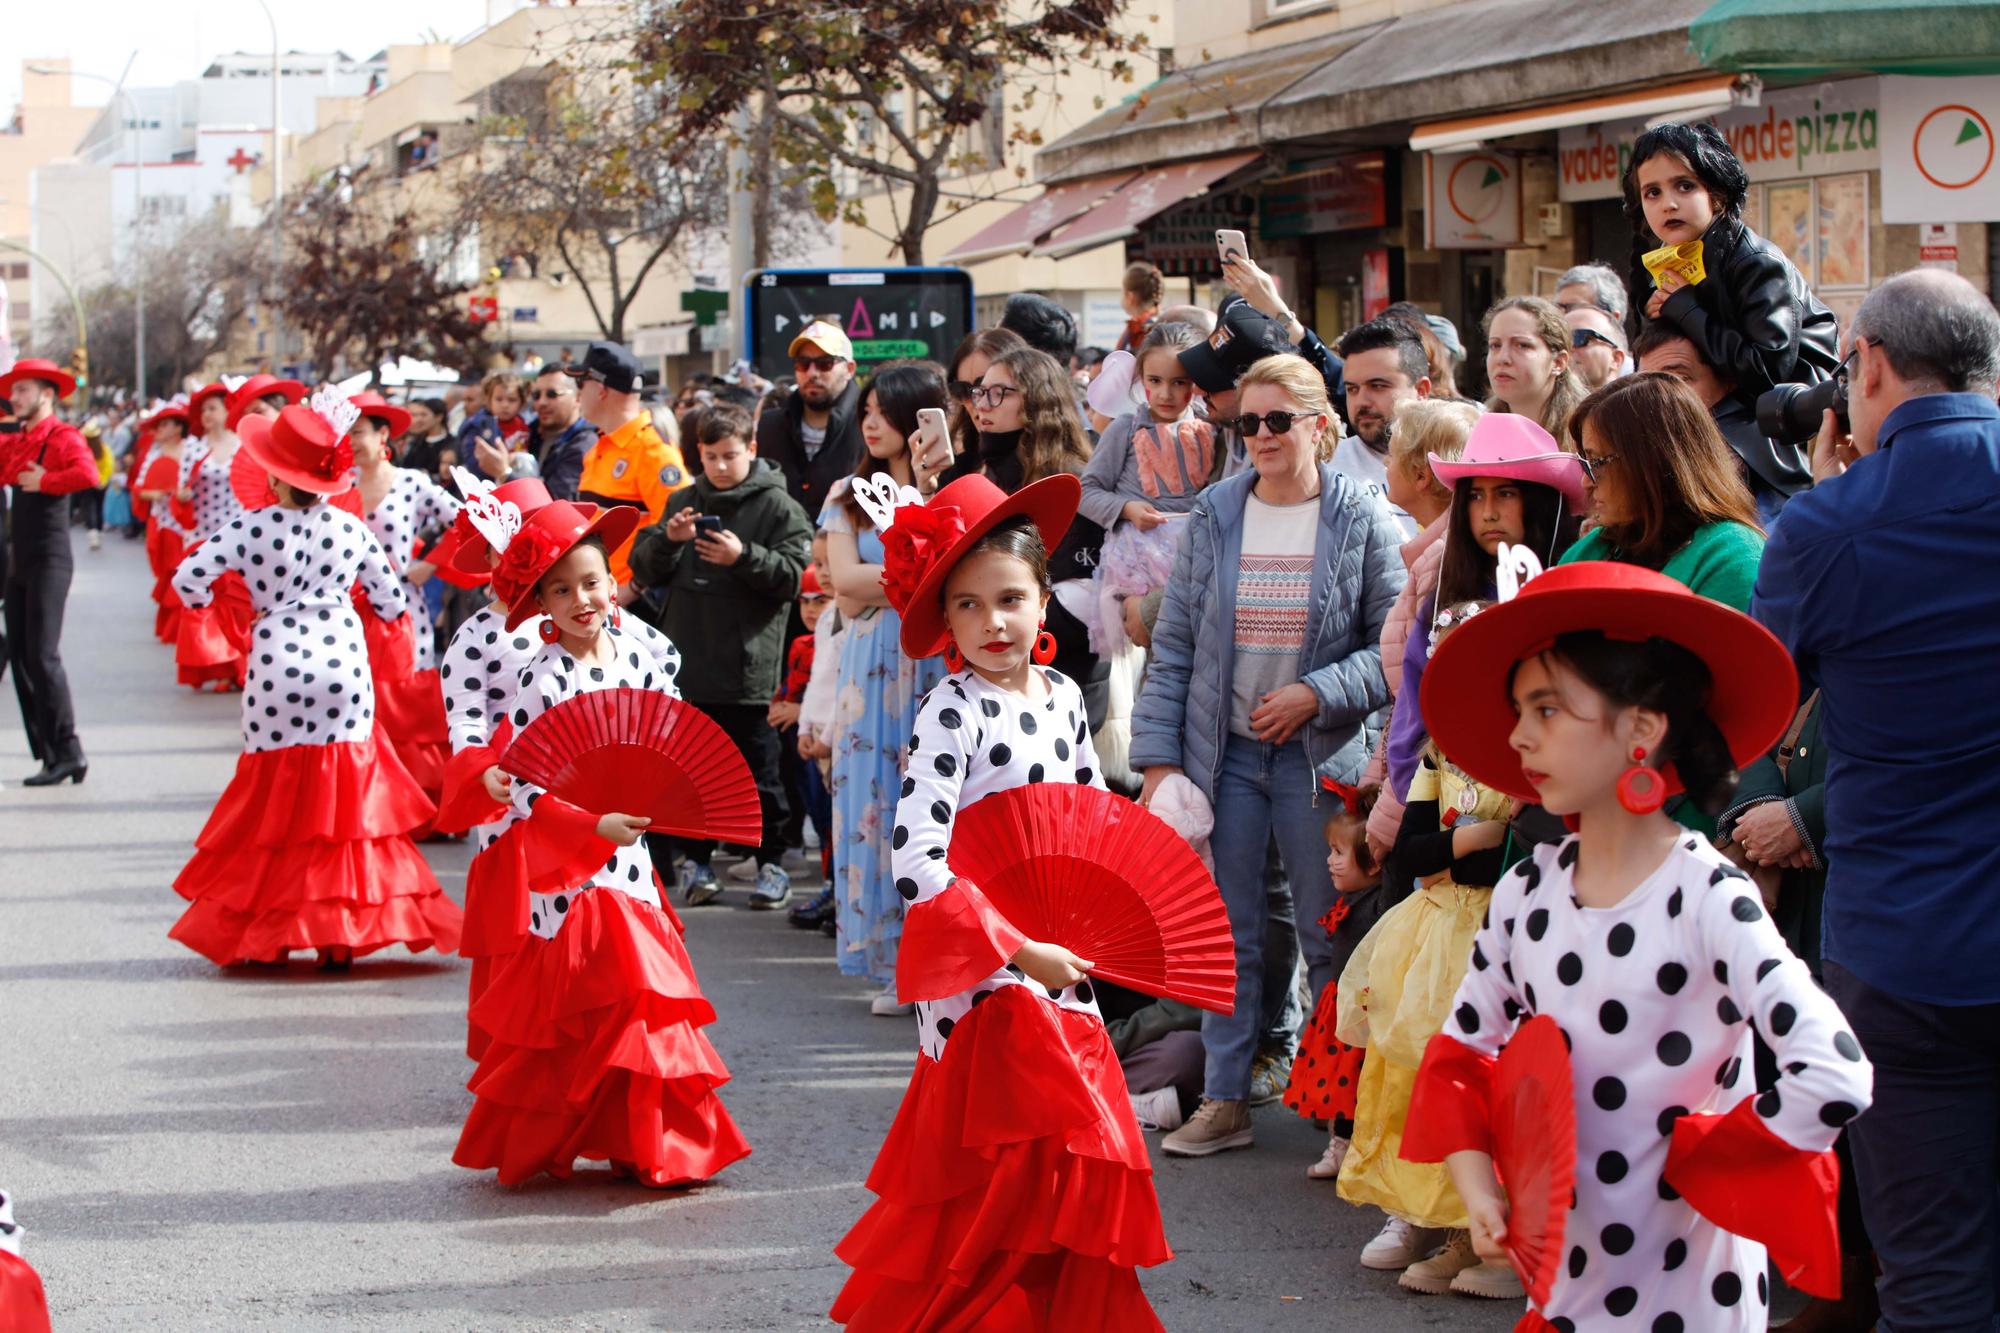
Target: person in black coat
1751 315
814 438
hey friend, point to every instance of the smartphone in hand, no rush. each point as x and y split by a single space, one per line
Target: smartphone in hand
707 525
930 446
1230 245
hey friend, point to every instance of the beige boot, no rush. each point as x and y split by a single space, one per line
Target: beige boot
1490 1281
1433 1276
1216 1126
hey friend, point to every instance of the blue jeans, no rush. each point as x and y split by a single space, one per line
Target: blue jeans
1927 1156
1263 792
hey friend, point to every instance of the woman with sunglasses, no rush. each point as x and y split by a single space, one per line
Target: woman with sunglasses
1666 493
1266 662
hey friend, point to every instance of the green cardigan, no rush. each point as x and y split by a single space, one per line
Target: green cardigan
1720 563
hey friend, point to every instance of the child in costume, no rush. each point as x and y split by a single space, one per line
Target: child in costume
594 1015
1600 690
166 537
308 847
1326 1071
1395 992
1014 1189
212 640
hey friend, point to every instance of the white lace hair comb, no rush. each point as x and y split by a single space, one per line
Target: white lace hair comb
495 520
331 406
880 497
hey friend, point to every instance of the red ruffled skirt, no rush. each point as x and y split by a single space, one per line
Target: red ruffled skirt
24 1307
409 705
164 549
309 848
596 1051
213 641
1326 1073
1014 1191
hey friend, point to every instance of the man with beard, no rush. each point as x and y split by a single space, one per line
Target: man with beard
815 437
1385 366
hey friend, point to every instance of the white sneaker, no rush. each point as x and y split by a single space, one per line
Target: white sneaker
886 1005
811 838
1398 1245
1328 1165
1157 1111
1437 1275
96 540
743 872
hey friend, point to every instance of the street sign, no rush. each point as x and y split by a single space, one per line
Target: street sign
705 305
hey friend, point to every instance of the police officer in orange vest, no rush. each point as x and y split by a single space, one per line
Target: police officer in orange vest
630 464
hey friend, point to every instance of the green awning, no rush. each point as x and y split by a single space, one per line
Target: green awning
1815 37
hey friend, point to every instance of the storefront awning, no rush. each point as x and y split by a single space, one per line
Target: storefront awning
1812 37
1690 100
1139 200
1017 232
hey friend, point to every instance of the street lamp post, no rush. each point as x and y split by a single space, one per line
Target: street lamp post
277 191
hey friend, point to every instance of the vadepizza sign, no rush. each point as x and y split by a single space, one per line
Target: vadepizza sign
1938 160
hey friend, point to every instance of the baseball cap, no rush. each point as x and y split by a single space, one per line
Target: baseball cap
825 336
1243 336
610 365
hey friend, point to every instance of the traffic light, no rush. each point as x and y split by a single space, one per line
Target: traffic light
79 366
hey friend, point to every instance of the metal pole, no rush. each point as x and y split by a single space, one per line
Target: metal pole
138 253
75 305
277 195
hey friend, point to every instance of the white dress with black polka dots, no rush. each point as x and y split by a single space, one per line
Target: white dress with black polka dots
309 682
1657 997
415 504
552 676
973 739
215 501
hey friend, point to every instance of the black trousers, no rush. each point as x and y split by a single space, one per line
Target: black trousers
757 741
36 595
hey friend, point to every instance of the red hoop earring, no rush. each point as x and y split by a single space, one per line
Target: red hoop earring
547 629
1044 651
1641 790
954 660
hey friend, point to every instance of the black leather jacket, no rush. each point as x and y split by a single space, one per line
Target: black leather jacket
1752 316
1784 468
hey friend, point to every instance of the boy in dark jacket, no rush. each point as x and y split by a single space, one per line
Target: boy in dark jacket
728 555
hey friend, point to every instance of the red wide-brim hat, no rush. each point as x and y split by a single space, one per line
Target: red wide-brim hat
468 553
259 386
39 368
300 449
207 391
1465 699
926 541
373 404
546 536
171 412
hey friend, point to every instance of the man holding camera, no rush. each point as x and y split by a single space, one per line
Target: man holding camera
43 462
1881 581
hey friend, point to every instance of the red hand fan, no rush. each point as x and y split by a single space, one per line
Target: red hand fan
1107 880
250 482
640 752
1534 1149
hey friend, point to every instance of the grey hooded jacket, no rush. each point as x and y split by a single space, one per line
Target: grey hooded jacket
1182 716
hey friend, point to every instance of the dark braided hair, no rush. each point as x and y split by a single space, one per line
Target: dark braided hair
1665 678
1713 162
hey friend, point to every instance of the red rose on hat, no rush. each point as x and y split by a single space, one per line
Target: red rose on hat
530 552
911 545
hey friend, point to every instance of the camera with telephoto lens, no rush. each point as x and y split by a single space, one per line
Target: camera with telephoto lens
1791 413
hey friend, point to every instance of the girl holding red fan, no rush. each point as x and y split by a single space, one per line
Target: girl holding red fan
1599 690
593 1013
309 846
1014 1188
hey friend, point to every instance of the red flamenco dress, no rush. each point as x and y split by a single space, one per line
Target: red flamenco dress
409 703
1326 1073
166 542
24 1306
309 846
592 1014
212 639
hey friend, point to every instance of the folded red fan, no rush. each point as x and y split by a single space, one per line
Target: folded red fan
250 481
1534 1149
641 752
1107 880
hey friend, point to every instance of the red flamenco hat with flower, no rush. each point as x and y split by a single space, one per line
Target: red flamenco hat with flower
922 541
306 446
465 555
541 538
1465 692
260 386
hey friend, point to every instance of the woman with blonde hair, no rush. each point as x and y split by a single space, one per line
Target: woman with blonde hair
1266 663
1528 363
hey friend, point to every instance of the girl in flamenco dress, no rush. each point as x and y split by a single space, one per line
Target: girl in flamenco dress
166 537
1600 690
1014 1190
398 503
308 847
212 641
594 1016
480 673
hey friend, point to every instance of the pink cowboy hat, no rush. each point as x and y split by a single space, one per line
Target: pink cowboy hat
1507 444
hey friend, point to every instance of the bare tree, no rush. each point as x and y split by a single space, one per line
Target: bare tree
904 94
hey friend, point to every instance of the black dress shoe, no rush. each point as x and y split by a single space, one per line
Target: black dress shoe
53 775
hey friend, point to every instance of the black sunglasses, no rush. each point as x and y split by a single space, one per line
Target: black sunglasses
1581 338
823 364
1279 422
961 389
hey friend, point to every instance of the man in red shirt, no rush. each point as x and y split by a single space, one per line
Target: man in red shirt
42 464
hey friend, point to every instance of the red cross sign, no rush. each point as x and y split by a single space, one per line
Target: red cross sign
243 161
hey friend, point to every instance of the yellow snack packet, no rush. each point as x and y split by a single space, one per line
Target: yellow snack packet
1684 259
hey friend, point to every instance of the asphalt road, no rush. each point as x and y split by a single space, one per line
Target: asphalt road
192 1148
